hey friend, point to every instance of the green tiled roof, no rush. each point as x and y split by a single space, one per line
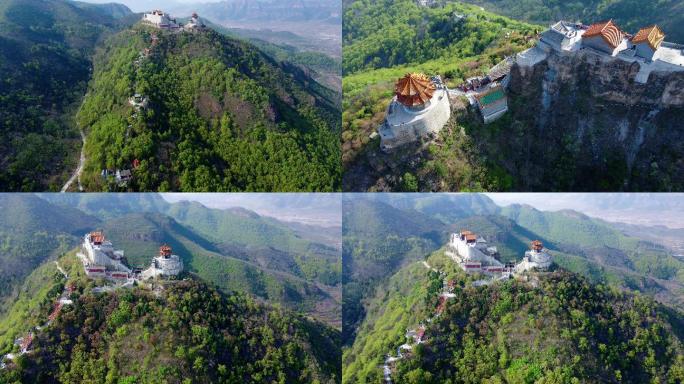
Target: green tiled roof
492 97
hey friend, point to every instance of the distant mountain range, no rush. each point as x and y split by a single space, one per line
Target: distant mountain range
267 10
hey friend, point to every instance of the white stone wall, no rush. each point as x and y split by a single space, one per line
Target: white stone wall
534 260
166 267
404 125
466 252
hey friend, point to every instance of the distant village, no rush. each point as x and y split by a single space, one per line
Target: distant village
163 21
421 106
101 261
473 255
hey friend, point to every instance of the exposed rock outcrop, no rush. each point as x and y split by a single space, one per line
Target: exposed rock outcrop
582 122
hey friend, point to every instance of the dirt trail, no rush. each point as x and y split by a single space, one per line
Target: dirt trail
77 173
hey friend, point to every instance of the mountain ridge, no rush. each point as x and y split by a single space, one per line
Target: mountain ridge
233 114
498 331
208 327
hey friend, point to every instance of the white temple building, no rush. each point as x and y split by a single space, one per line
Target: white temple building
160 20
647 47
562 36
473 254
419 110
165 265
537 258
100 259
195 24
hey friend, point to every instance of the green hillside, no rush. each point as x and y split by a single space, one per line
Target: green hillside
35 300
378 239
563 330
190 331
274 277
222 116
630 14
384 40
45 48
32 231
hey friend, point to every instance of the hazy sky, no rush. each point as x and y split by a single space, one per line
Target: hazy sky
636 208
146 5
312 208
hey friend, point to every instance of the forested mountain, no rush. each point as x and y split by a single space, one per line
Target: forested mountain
445 207
384 40
221 116
377 240
235 249
326 68
380 238
555 135
558 329
604 254
32 230
45 50
185 330
630 14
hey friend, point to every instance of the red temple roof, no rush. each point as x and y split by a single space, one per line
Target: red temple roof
651 35
537 245
97 237
165 250
610 32
414 89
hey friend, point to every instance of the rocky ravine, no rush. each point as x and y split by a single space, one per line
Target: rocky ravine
581 122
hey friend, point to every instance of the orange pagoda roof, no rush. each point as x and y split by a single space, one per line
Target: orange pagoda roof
97 237
164 250
610 32
651 35
414 89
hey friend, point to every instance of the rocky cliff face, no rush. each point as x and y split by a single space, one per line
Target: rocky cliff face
583 123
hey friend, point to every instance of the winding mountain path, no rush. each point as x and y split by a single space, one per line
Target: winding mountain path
446 294
61 301
77 173
59 268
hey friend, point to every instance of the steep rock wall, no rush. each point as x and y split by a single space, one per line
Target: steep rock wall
581 122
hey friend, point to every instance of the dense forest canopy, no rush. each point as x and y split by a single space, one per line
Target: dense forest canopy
222 116
556 328
384 40
45 50
631 15
185 332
